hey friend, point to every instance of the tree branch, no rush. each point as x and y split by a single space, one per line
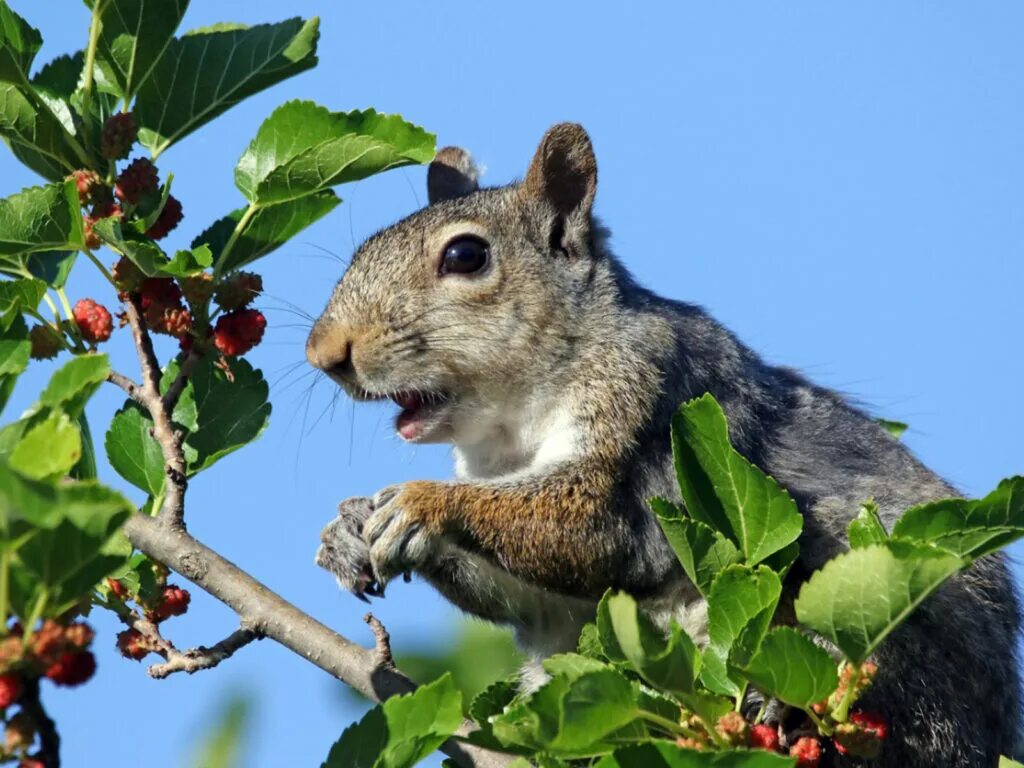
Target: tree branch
266 612
49 739
173 511
196 659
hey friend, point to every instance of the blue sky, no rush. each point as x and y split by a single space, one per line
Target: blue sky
838 183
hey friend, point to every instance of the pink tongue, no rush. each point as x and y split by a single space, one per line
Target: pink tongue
409 425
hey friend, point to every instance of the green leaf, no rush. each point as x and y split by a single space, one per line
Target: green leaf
140 250
229 414
49 449
401 731
134 35
667 755
132 451
186 263
701 551
859 597
572 717
73 383
19 44
225 737
667 663
206 72
589 644
740 608
303 148
968 528
265 230
866 528
52 267
15 349
790 667
1005 762
725 491
40 219
894 428
21 295
36 136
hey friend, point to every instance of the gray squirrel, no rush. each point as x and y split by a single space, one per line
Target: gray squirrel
499 322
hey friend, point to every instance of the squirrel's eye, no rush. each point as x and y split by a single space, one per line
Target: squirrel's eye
464 255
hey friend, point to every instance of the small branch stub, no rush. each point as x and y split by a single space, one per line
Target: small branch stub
382 643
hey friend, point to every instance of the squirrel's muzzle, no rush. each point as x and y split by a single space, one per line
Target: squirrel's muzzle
330 350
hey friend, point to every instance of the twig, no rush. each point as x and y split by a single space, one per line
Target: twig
179 383
172 512
130 387
196 659
49 739
276 618
382 642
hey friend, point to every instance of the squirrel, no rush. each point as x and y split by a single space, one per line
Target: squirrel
500 322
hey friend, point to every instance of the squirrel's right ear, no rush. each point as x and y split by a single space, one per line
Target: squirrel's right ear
564 172
452 173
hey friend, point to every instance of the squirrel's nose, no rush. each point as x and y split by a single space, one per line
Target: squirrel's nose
330 351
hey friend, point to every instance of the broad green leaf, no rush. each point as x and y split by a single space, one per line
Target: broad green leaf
859 597
61 76
572 665
49 449
573 717
668 663
19 44
72 556
15 349
968 528
665 754
133 452
52 267
21 295
229 414
73 383
866 528
894 428
133 37
589 644
701 551
303 148
741 604
40 219
85 469
491 702
140 250
265 230
790 667
206 72
401 731
186 263
37 136
725 491
24 504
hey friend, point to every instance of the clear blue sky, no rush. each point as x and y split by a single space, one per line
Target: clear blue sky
841 184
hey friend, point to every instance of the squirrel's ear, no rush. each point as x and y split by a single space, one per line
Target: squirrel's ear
564 170
452 173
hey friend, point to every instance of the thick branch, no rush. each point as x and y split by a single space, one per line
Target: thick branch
173 510
49 739
195 659
267 613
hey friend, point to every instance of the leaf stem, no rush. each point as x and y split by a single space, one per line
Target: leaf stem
840 713
243 222
34 616
53 307
670 726
90 57
99 265
821 725
5 589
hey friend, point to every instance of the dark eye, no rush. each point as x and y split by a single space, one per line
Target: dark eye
464 255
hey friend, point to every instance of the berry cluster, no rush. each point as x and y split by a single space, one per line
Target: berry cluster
169 600
56 650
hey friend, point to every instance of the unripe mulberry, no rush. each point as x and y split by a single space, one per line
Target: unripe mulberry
734 729
238 332
862 736
174 602
174 321
807 751
168 219
764 736
93 321
45 342
136 181
238 290
132 645
86 184
10 689
99 211
19 733
79 635
119 133
72 668
127 276
119 590
197 288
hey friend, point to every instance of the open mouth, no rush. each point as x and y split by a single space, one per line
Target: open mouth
421 414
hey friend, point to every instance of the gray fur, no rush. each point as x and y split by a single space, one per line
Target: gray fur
562 321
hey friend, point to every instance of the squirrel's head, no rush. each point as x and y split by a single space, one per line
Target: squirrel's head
461 310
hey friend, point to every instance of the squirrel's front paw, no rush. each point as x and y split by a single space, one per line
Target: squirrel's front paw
395 535
344 552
